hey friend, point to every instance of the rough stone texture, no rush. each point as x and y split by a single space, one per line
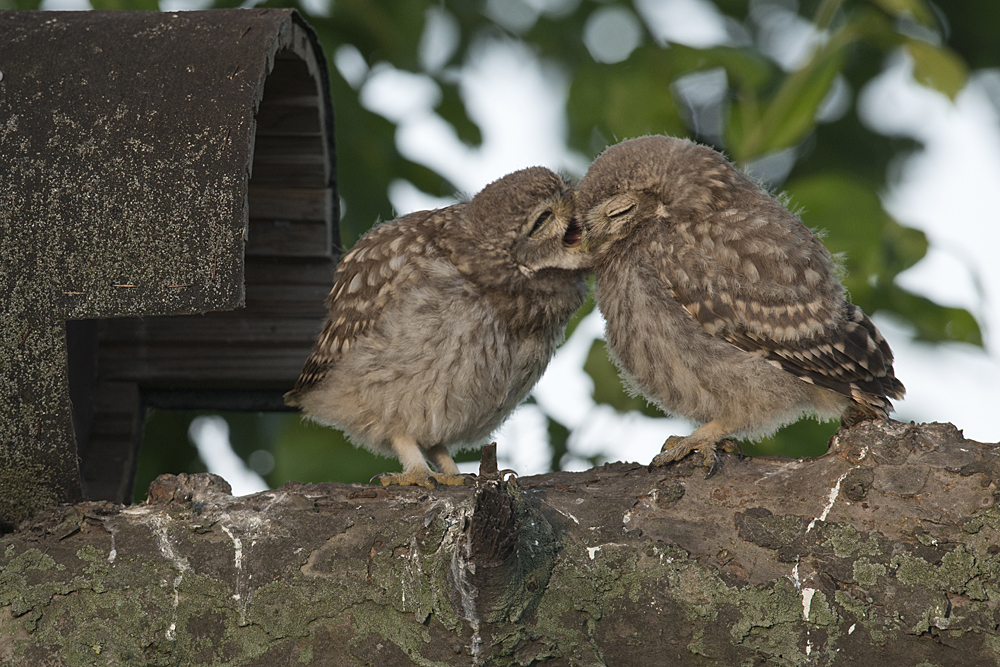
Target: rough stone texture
883 552
126 141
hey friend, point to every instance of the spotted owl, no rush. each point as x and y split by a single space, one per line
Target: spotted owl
721 306
440 322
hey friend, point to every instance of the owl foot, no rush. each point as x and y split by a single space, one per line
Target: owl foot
676 448
424 478
733 447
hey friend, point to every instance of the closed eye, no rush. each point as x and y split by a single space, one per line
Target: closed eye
619 208
540 221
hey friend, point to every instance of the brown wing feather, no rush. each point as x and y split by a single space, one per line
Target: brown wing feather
364 282
766 285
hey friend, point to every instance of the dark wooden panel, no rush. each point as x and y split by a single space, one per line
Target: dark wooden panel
108 470
295 175
209 330
288 119
289 272
288 239
188 366
281 144
314 204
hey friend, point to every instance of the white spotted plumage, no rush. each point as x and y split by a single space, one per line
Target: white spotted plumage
441 321
721 306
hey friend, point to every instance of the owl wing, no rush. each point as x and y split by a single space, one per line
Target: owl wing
774 294
375 271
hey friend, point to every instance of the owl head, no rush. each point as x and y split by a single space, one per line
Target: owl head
519 230
645 179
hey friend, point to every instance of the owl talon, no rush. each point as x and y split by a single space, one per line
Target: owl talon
674 449
732 447
712 462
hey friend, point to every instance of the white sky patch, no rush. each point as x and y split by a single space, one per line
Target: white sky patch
696 23
65 5
210 434
398 95
407 198
950 382
949 190
523 442
784 36
611 34
517 100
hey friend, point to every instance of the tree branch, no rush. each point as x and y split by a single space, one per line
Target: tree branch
884 551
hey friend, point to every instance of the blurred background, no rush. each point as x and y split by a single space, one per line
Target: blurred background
878 119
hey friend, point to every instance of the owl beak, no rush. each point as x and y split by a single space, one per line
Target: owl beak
589 242
574 234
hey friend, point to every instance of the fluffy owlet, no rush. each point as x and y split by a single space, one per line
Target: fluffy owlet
721 306
442 321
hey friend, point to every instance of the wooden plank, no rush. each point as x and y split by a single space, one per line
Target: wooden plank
277 238
290 76
281 271
209 330
296 175
287 159
293 204
189 367
280 144
288 118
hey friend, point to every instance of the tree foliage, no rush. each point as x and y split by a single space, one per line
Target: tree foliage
799 114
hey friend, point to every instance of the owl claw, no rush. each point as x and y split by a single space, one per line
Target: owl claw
713 463
676 448
733 447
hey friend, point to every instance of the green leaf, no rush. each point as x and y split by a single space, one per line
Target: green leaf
876 249
791 113
633 97
620 101
608 387
558 437
452 109
913 9
973 32
584 310
144 5
875 246
307 452
938 67
387 30
932 322
806 437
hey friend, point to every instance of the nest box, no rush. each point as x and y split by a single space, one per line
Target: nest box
168 221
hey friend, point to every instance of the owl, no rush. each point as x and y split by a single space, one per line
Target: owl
720 305
441 321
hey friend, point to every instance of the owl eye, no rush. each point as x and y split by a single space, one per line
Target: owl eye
616 208
541 220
